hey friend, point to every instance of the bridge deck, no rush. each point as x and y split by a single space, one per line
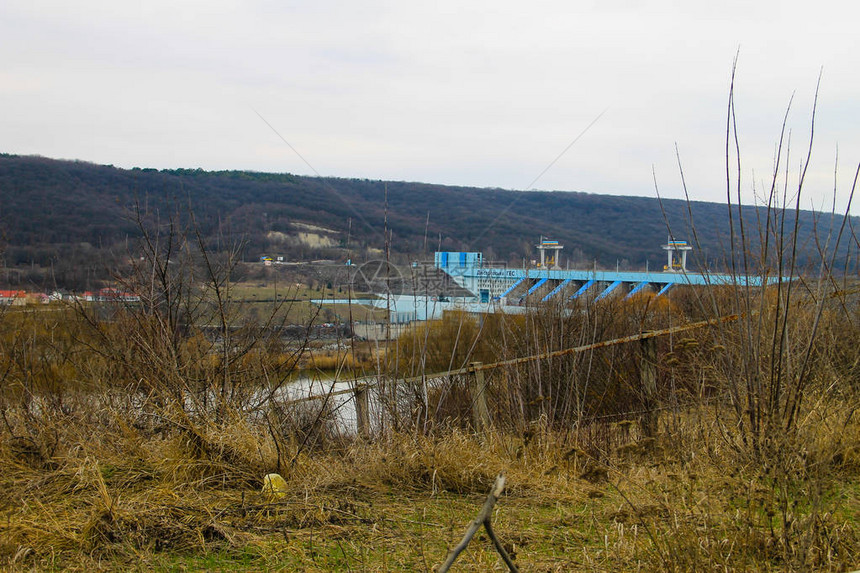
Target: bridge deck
637 277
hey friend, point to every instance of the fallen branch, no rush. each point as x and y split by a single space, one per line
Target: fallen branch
483 518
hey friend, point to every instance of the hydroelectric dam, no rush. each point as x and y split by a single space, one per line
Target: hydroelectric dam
487 287
545 281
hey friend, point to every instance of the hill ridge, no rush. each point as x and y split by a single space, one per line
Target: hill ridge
49 208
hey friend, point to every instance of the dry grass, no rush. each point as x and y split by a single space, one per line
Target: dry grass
106 473
112 459
688 501
362 359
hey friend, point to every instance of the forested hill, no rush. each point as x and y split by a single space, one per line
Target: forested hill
51 209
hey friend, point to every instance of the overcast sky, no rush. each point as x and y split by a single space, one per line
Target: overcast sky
483 94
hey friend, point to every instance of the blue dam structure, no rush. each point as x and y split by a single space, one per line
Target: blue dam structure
492 288
546 282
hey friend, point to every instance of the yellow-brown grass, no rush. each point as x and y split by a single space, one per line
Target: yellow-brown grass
127 443
688 500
